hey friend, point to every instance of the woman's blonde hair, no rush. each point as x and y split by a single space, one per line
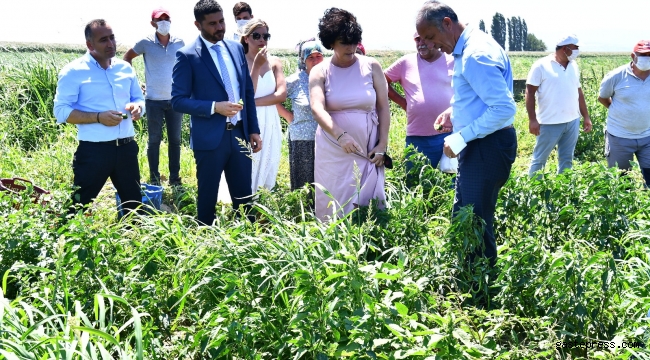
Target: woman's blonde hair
248 29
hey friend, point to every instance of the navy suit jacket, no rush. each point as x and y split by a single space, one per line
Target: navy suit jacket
196 83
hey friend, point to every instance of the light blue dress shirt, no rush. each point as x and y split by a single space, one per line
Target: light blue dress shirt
482 82
85 86
230 67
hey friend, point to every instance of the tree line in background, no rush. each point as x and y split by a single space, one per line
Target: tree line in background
515 31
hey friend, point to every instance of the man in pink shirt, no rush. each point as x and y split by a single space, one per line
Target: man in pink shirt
426 79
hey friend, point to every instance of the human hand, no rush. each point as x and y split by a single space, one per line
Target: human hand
227 109
533 127
110 118
135 109
256 142
377 155
443 122
348 144
261 57
447 150
586 125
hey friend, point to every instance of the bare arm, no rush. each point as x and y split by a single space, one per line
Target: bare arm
286 114
606 102
533 124
394 95
280 93
586 125
108 118
130 55
324 120
383 108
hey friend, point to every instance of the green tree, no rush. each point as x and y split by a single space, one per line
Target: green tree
481 26
524 35
498 29
534 44
511 43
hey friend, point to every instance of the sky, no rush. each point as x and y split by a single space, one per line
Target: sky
387 24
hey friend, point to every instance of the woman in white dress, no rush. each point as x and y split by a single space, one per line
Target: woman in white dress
270 89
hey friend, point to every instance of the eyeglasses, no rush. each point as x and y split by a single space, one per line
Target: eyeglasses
257 36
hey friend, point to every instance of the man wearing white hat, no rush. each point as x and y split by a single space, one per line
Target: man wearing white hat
625 92
555 81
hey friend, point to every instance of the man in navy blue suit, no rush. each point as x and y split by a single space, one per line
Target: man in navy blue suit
211 82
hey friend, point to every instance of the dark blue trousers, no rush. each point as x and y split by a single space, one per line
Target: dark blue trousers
483 168
232 159
160 112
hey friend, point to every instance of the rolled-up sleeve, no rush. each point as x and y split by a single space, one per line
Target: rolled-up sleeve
67 94
486 78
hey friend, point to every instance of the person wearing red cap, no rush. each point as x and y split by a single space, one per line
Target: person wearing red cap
625 92
159 52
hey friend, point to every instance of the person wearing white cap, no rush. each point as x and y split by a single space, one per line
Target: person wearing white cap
159 52
554 81
625 92
425 77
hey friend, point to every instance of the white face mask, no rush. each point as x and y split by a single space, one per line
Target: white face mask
642 62
574 54
241 23
163 27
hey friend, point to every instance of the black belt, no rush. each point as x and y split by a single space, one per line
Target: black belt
230 126
507 127
116 142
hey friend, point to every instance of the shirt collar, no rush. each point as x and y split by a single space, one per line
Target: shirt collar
89 58
209 45
172 38
462 40
631 71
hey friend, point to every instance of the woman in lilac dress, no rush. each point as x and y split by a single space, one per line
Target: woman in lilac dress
349 100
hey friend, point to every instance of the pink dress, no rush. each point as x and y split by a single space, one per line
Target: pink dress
350 99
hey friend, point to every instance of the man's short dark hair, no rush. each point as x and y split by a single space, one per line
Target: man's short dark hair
205 7
559 47
88 30
434 12
338 24
241 7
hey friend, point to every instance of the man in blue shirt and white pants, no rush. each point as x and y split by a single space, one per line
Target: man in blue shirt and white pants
482 113
101 95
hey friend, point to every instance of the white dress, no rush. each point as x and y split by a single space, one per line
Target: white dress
267 162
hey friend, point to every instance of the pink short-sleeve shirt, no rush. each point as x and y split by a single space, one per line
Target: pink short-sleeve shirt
427 86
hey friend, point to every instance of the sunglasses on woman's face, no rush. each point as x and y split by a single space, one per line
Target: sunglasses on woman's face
257 36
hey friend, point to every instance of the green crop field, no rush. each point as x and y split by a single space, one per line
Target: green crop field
573 255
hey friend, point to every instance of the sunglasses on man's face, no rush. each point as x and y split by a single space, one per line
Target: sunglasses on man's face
257 36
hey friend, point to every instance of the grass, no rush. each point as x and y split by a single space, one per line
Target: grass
573 257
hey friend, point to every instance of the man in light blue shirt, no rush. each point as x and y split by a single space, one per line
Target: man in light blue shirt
101 96
481 114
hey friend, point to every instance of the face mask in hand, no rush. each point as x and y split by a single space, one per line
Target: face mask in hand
574 54
163 27
642 62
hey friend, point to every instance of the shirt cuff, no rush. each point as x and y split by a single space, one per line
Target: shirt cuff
456 142
212 110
